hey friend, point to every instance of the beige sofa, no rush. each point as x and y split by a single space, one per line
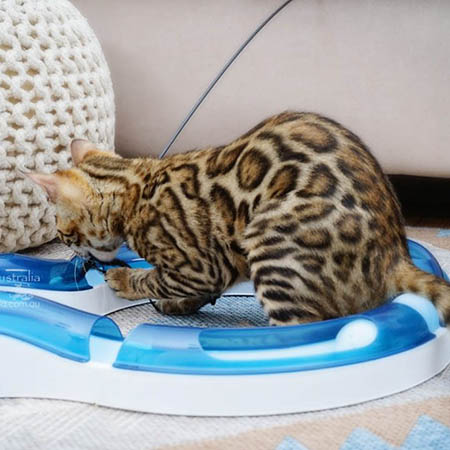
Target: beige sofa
382 68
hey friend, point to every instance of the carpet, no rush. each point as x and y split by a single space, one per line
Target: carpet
415 419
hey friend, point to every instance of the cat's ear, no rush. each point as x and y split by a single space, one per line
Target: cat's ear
79 148
57 186
49 181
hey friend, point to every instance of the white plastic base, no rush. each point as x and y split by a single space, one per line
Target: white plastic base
98 383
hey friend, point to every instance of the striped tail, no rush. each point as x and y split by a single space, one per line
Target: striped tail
408 278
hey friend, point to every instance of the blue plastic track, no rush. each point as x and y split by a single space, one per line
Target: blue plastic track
194 350
59 329
67 332
58 275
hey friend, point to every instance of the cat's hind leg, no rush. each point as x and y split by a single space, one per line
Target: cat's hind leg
290 284
289 296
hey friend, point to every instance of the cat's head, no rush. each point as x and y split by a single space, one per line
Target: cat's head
86 219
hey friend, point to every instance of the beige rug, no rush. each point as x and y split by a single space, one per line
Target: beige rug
438 237
416 419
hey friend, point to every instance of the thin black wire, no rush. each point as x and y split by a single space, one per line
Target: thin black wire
219 76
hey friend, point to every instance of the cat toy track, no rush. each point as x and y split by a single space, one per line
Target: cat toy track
203 371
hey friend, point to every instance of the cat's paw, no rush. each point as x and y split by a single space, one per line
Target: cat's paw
120 280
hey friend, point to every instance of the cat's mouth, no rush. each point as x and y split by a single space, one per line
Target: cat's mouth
79 251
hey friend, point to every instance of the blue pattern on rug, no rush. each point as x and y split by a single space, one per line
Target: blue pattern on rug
289 443
361 439
444 233
427 434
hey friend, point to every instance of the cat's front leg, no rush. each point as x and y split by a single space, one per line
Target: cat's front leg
184 306
176 294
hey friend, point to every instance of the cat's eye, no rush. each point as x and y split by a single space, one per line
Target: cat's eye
69 238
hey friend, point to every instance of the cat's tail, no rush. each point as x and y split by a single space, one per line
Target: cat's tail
408 278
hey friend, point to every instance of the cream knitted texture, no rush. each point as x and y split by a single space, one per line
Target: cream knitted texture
55 85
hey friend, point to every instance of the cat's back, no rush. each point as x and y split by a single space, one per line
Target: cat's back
292 154
294 151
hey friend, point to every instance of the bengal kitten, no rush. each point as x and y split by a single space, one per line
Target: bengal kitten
298 204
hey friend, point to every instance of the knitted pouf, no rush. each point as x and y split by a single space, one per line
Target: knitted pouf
54 86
